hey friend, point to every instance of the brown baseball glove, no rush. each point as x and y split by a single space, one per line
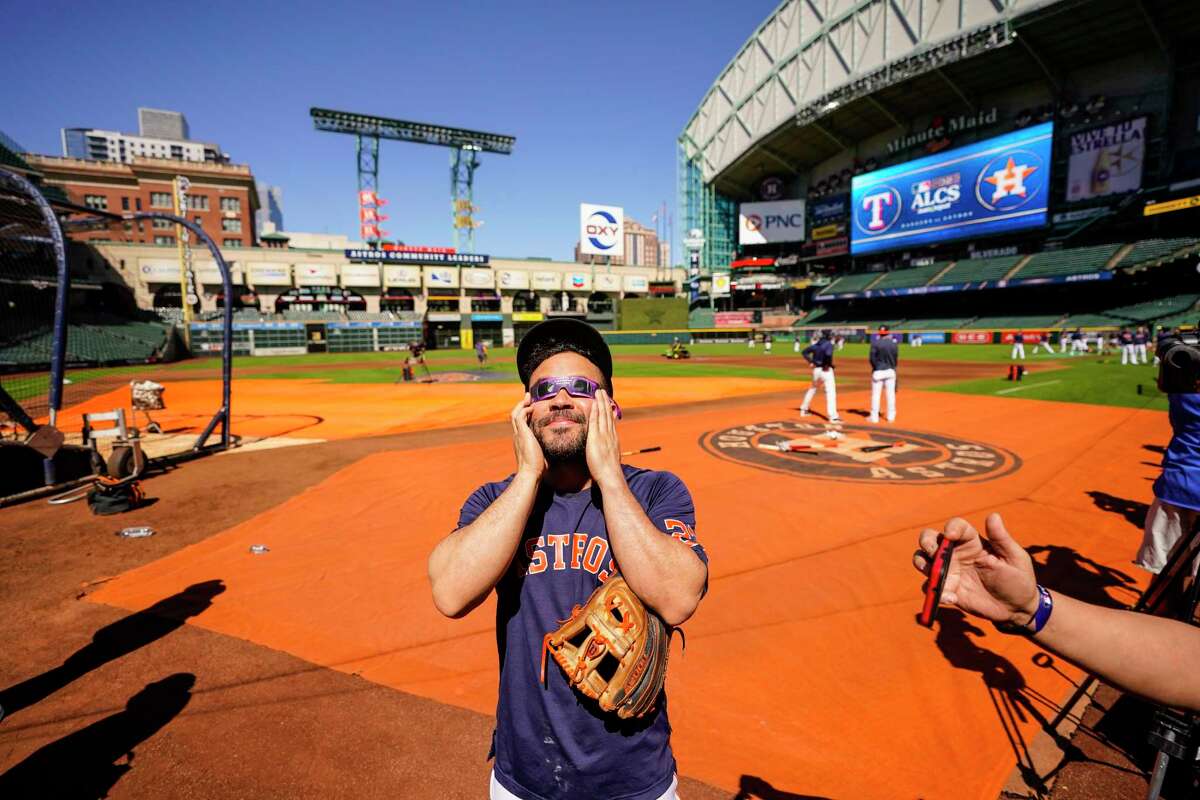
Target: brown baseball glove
613 649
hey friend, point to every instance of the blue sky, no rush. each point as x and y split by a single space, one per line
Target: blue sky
596 95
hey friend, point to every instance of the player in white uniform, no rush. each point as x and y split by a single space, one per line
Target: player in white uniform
1043 342
1018 350
884 356
820 355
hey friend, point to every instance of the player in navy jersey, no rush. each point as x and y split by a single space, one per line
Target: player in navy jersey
570 516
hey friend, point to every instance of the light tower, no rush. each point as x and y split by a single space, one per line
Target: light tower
464 157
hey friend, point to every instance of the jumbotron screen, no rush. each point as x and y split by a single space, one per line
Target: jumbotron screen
997 185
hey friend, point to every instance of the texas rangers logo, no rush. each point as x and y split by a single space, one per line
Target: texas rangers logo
1010 180
860 454
878 209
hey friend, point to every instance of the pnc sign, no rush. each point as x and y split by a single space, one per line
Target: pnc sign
601 230
763 223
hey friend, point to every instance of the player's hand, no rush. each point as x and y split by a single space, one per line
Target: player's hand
530 458
603 450
990 578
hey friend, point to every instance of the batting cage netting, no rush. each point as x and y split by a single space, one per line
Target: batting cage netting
32 261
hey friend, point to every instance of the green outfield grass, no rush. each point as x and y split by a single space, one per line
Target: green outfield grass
1086 380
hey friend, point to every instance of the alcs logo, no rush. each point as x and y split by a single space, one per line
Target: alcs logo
602 230
878 210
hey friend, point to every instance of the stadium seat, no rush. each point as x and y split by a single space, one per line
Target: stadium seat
1043 321
852 283
1068 262
1148 252
1154 309
972 270
937 324
911 277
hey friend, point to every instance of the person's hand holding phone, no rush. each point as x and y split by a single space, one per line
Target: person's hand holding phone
990 578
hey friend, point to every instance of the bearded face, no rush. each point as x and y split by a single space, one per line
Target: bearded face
561 422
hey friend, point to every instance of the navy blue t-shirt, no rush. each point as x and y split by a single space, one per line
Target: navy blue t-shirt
550 741
819 353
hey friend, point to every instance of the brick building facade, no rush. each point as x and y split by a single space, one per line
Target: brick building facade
222 198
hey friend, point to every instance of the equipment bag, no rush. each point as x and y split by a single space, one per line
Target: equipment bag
113 496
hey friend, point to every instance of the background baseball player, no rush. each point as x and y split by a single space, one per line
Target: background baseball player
883 356
1127 352
820 355
544 538
1140 337
1043 342
1018 348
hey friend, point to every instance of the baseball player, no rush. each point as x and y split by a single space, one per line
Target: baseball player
768 340
1127 352
1078 343
1140 337
883 355
1043 342
1018 348
544 538
1064 341
819 354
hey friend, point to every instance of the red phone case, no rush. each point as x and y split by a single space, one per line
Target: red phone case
937 581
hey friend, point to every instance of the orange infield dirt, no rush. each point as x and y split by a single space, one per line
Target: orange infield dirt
805 670
316 409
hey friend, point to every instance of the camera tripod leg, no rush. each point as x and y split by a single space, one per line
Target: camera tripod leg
1158 775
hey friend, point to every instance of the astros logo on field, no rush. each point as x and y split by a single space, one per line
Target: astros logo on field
859 453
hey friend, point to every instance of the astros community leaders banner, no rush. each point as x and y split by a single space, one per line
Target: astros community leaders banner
601 230
763 223
999 184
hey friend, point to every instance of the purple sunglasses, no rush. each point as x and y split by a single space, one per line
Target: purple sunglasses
576 386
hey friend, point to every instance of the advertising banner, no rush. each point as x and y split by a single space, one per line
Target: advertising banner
577 282
720 283
208 273
547 280
928 337
1031 337
360 275
417 256
270 275
828 209
997 185
970 337
440 277
316 275
636 283
401 276
1171 205
478 278
827 232
601 230
527 316
607 283
733 319
161 271
512 279
765 223
1106 160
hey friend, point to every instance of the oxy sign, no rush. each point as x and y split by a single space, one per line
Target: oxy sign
601 230
764 223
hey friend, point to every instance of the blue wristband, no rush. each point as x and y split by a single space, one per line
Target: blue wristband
1044 609
1041 616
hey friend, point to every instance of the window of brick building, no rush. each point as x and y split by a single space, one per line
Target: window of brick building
198 202
96 201
231 204
124 203
160 200
231 225
162 224
231 243
164 240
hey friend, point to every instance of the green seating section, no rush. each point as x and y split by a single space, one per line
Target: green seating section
1032 321
972 270
1155 249
851 283
1190 319
127 341
935 324
1153 309
911 277
1092 321
1068 262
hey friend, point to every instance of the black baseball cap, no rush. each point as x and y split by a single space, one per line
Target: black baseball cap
569 334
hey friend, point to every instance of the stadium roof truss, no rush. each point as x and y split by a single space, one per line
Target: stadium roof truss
819 76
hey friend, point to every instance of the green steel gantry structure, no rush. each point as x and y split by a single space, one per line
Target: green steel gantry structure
465 147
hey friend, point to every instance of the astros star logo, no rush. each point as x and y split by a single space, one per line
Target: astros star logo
1010 180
